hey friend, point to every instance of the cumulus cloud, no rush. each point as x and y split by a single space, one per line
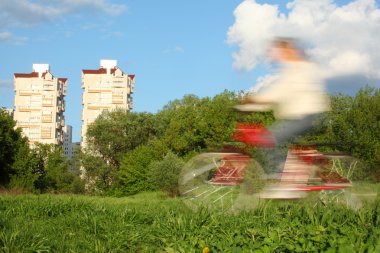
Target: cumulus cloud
29 12
264 81
343 39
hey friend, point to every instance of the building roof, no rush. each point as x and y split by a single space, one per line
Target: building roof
97 71
132 76
26 75
29 75
62 80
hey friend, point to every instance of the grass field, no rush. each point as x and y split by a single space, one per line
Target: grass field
150 222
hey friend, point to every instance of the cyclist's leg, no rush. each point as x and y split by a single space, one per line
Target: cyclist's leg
286 130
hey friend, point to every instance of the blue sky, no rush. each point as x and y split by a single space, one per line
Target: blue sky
173 47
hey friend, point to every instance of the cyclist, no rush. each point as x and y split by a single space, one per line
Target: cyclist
297 97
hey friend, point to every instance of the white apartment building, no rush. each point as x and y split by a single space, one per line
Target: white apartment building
68 141
106 88
39 105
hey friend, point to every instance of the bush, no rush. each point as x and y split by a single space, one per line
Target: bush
163 175
132 176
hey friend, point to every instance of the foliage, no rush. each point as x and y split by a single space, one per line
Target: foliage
122 144
97 174
26 170
117 132
194 124
133 173
11 141
40 169
353 126
163 175
356 124
44 169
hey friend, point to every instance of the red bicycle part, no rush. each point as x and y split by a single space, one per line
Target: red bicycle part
231 171
254 135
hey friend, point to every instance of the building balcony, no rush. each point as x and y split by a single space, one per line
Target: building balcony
47 102
49 87
29 92
47 119
28 124
60 108
59 92
119 84
117 97
97 106
99 89
28 108
117 94
60 140
130 104
45 133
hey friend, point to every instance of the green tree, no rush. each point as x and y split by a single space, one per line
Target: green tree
194 124
163 175
43 169
11 141
57 176
177 124
97 174
354 123
133 173
114 133
26 170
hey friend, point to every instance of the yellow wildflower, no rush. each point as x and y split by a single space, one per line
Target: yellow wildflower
206 250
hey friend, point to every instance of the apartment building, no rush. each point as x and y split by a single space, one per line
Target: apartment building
39 105
68 141
69 147
106 88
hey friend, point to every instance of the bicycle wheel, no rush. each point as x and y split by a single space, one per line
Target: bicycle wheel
220 181
340 170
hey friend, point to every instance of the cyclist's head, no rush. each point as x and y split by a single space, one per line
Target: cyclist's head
286 49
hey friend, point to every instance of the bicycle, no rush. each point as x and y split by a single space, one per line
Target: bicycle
232 179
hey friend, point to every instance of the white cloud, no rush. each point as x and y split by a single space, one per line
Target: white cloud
344 40
5 36
9 37
29 12
264 81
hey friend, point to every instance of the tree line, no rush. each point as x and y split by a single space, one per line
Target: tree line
131 152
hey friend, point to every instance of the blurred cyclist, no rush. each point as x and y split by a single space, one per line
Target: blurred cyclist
297 97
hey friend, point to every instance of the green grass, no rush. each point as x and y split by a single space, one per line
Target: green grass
150 222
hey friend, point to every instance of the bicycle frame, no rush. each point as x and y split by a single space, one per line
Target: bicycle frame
297 165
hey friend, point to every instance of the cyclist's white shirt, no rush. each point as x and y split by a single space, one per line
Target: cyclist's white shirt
299 91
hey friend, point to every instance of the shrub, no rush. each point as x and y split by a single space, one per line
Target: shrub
163 175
